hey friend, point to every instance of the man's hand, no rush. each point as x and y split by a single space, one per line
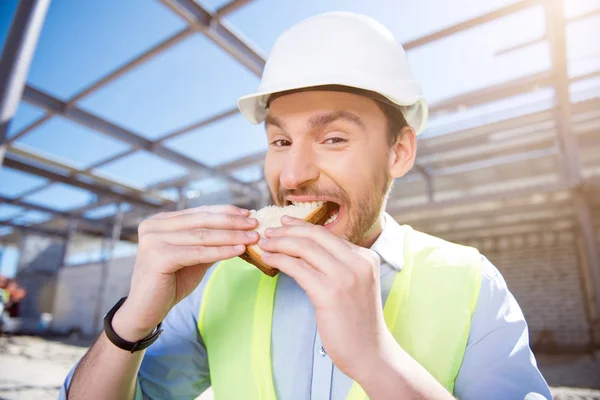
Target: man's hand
175 250
342 281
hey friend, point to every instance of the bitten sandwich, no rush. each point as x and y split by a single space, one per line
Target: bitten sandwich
270 217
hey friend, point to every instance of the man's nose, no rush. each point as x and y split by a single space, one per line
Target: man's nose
299 169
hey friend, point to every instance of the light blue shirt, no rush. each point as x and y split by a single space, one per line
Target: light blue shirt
498 362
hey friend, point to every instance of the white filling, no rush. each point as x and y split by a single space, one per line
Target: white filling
270 217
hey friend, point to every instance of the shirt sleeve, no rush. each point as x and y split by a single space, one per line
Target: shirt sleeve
176 365
498 363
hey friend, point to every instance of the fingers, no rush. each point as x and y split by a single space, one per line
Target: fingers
219 209
186 256
196 220
209 237
299 228
305 275
305 249
346 253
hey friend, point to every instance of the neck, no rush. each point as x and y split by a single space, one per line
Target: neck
372 234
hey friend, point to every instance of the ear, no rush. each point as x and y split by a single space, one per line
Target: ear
403 152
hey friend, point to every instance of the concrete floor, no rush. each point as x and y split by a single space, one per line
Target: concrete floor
33 368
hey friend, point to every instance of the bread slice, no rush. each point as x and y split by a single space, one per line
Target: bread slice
270 217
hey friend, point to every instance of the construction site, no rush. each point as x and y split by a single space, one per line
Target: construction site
114 111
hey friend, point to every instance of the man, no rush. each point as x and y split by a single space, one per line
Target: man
362 306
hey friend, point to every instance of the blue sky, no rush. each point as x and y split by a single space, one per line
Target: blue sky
83 40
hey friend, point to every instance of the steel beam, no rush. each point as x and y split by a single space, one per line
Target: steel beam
36 229
199 124
492 93
494 210
85 172
225 168
230 8
120 71
556 27
28 128
13 163
16 58
75 173
491 224
495 162
426 174
520 46
176 38
472 23
563 115
55 213
56 106
204 22
474 199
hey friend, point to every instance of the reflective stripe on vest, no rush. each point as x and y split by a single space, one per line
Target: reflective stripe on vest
428 311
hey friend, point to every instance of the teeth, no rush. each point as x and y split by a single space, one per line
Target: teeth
331 219
308 204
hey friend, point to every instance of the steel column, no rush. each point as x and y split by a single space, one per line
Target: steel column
572 171
182 199
107 257
16 59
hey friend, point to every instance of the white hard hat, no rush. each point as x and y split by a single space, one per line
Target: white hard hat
339 48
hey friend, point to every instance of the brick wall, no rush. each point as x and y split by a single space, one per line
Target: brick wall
543 273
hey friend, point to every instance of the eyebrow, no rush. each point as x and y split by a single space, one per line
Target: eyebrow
324 119
270 120
321 119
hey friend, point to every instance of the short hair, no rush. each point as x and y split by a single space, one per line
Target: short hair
395 121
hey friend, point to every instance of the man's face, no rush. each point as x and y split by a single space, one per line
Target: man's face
330 146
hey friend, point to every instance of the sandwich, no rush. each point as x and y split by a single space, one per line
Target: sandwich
270 217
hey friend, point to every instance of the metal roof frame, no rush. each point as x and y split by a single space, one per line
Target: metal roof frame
199 20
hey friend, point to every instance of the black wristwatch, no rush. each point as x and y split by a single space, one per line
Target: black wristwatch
122 343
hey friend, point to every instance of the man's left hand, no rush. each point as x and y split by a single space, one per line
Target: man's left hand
342 281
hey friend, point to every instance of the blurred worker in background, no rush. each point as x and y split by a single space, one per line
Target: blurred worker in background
363 306
4 298
11 293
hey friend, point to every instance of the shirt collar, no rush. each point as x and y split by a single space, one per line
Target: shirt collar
390 243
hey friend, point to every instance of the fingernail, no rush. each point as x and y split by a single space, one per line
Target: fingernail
240 247
268 231
263 241
251 234
286 218
251 220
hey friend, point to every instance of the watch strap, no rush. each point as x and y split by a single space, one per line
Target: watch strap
122 343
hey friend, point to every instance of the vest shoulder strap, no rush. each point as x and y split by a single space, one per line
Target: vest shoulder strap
235 321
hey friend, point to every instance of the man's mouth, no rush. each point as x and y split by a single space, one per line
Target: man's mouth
333 209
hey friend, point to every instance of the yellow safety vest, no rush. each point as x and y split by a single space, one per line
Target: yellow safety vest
428 311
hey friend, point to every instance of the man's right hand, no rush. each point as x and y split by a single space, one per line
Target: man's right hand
174 252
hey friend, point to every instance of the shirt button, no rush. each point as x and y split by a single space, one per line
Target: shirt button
322 351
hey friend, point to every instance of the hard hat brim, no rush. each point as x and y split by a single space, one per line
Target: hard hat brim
254 106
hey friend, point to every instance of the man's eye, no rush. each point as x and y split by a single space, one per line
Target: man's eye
281 143
335 140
